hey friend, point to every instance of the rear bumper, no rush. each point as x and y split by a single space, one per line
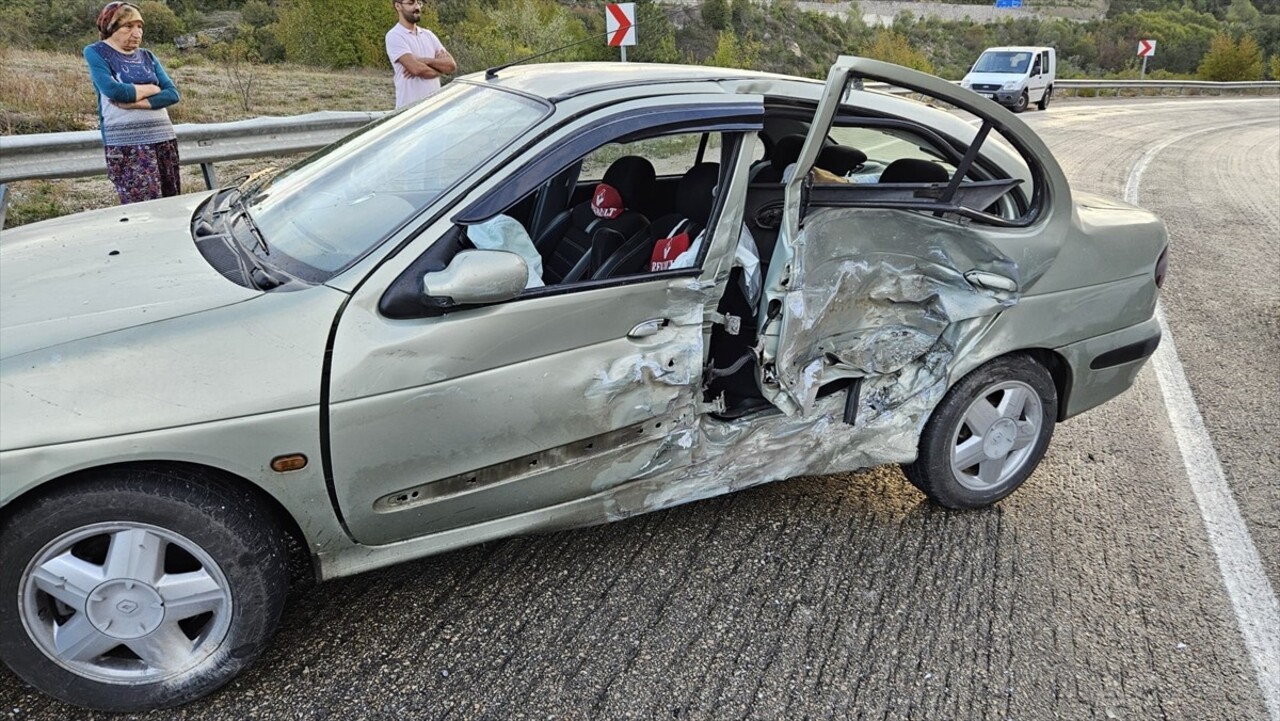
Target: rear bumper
1105 366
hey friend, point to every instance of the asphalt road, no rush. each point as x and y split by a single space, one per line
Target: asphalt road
1095 592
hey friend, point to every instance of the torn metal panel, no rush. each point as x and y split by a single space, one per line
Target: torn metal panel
733 455
870 293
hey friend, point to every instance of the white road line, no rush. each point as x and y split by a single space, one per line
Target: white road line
1257 611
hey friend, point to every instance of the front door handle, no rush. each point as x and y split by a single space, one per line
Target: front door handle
647 328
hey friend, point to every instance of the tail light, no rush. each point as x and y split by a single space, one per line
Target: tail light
1162 267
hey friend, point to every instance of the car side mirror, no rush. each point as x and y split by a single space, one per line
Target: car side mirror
477 277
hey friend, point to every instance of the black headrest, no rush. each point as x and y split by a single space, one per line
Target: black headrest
913 170
693 194
786 152
633 177
840 159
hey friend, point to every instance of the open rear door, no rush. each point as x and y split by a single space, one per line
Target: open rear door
884 291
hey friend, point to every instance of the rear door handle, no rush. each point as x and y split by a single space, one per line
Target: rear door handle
647 328
991 281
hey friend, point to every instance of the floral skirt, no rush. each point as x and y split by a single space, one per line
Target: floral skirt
144 172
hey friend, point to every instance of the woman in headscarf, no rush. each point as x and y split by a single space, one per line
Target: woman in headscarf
133 92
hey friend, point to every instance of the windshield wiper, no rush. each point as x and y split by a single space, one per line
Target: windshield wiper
242 212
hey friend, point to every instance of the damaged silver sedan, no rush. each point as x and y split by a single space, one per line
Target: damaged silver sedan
548 296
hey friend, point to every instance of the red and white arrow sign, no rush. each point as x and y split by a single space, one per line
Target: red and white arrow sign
1146 48
620 23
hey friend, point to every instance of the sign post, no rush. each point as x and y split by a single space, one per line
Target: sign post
620 25
1146 48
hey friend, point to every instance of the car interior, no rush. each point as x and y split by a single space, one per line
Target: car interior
628 211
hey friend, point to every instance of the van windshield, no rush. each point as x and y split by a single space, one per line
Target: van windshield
1003 61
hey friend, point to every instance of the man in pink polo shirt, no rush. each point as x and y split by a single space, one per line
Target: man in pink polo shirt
417 57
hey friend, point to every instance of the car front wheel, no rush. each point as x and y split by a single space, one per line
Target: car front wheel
1021 103
987 435
139 589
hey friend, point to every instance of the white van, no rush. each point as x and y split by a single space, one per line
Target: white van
1014 77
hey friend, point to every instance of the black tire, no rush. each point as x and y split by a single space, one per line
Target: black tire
1043 103
1021 104
951 433
242 578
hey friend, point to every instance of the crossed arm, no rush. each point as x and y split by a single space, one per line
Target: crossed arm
143 96
427 68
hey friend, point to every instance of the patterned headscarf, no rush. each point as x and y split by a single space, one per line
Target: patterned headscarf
115 14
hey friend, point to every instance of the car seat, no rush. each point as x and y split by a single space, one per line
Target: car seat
670 234
840 160
786 152
913 170
565 246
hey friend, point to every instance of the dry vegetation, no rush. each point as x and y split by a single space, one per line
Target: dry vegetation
42 92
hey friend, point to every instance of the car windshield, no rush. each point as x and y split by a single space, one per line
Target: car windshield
329 210
1003 61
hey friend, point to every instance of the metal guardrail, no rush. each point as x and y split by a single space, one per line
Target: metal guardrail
79 154
1162 86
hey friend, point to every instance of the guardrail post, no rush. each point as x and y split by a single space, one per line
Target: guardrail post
4 202
210 177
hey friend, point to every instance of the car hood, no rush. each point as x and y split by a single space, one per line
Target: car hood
103 271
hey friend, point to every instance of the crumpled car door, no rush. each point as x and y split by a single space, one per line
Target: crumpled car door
871 293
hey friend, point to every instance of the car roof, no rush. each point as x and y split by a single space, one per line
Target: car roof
1019 48
558 81
561 80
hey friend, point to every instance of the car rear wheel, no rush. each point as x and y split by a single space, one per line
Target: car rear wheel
1043 104
1021 103
987 435
139 589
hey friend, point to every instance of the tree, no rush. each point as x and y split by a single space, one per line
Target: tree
732 52
257 13
162 23
322 32
514 30
716 13
1275 67
893 47
1228 60
1242 12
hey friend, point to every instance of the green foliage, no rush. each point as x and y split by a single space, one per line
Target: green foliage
1242 12
66 25
1182 36
194 20
261 43
773 35
257 13
516 29
161 25
716 13
1274 66
1228 60
655 35
896 48
17 26
338 35
732 52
